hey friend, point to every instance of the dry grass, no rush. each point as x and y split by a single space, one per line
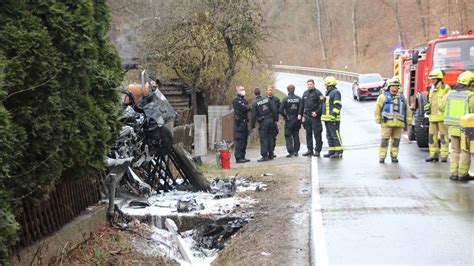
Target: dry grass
110 246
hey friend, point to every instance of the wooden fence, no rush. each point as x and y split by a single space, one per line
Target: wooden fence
68 199
184 134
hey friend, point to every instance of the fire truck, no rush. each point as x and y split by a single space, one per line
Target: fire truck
453 54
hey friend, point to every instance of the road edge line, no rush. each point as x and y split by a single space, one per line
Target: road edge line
318 251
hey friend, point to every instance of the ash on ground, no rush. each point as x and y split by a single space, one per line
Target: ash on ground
218 215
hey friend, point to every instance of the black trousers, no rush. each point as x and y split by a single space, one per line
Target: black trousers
266 133
241 135
292 135
334 137
274 131
313 127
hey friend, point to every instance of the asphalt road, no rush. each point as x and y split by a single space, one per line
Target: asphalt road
406 213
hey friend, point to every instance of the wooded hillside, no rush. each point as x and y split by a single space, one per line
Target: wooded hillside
359 34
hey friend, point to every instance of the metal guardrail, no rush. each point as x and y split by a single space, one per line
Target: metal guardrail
318 72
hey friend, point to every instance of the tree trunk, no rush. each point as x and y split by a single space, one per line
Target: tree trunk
423 19
354 31
229 71
193 100
461 16
398 23
428 18
320 31
448 5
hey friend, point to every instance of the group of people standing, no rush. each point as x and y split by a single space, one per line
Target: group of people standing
310 110
445 108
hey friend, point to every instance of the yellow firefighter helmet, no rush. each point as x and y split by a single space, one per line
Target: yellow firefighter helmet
330 81
436 74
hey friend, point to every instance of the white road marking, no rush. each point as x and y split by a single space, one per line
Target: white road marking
318 249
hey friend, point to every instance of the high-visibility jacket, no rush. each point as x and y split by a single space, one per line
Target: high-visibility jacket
331 109
435 98
392 110
456 104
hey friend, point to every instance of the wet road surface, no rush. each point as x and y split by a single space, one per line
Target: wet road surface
408 213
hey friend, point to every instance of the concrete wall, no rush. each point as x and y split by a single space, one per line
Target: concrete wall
200 135
215 112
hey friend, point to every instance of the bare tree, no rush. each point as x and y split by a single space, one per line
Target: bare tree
240 25
354 31
448 9
395 8
320 32
424 25
459 4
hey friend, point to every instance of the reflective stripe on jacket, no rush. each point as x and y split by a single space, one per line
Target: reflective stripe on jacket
395 122
332 105
394 104
435 98
456 106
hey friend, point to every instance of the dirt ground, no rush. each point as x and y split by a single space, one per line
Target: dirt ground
279 235
111 246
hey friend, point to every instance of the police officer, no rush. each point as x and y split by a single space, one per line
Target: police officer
263 111
241 130
289 109
310 113
331 115
392 113
458 102
437 91
275 101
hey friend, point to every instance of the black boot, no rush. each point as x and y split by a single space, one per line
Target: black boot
308 153
336 155
317 154
465 178
453 177
431 159
263 159
382 160
329 154
394 160
289 155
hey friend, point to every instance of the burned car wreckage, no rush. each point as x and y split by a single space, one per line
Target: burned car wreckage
144 160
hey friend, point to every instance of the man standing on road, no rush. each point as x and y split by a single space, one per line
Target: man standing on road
241 131
289 109
310 113
437 91
459 102
392 113
275 101
263 111
331 115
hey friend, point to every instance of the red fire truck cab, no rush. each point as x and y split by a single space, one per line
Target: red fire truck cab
452 54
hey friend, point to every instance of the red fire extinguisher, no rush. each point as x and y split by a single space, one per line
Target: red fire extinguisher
225 158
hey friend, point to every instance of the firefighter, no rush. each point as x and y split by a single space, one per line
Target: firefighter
437 91
331 115
241 131
275 101
263 111
457 103
392 113
289 109
310 115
